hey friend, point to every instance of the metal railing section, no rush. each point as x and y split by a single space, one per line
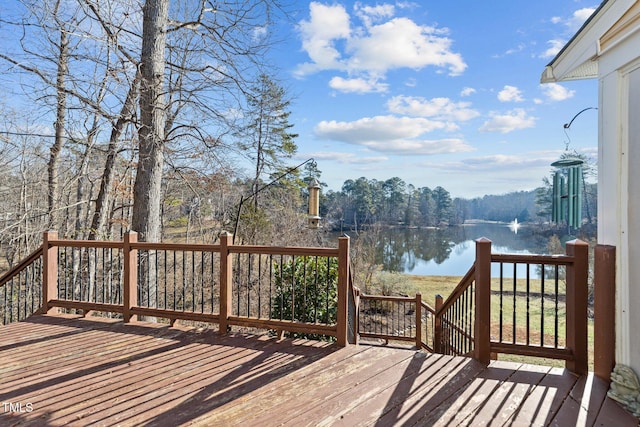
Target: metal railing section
455 319
176 279
21 289
529 305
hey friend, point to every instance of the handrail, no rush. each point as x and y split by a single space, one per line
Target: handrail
462 286
21 289
16 269
428 312
454 319
559 259
353 309
429 309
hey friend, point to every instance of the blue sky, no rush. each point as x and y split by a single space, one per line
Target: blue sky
437 93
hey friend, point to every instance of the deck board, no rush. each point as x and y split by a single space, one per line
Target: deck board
92 371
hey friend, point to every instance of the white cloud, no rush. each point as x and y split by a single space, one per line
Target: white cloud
378 127
372 14
467 91
579 17
505 161
571 24
392 135
554 47
344 157
575 21
437 108
419 147
401 43
513 50
369 51
357 85
510 94
327 24
556 92
508 122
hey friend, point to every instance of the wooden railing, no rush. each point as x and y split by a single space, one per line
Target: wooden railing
537 308
391 318
293 289
21 289
532 305
541 314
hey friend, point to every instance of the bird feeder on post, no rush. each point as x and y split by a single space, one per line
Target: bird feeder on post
314 204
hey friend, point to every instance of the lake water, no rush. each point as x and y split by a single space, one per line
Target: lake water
450 251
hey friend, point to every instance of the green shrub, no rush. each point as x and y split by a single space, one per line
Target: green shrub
306 291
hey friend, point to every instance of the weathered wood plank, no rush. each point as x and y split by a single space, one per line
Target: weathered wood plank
506 400
198 382
386 394
472 397
104 372
544 401
304 389
584 402
612 414
460 372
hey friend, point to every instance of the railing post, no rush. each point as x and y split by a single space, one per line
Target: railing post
418 320
49 270
482 326
604 312
130 285
577 294
437 326
226 278
343 289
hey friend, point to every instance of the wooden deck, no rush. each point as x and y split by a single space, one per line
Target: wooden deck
60 370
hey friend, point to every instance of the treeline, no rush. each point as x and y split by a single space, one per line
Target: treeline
520 205
367 201
363 202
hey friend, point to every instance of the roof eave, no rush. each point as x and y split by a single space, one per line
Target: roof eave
571 65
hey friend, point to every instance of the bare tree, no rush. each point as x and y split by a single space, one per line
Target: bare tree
158 94
147 187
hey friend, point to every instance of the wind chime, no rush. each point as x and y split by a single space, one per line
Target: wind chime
567 186
567 192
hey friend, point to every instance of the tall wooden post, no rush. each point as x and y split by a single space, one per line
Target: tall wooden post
226 279
437 326
604 311
130 291
49 270
418 320
482 326
577 294
343 289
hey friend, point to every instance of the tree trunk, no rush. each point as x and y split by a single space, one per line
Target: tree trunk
54 155
147 187
103 202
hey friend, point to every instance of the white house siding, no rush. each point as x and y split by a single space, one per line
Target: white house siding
633 278
607 47
619 184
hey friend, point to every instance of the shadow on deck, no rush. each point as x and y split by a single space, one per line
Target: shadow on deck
62 370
